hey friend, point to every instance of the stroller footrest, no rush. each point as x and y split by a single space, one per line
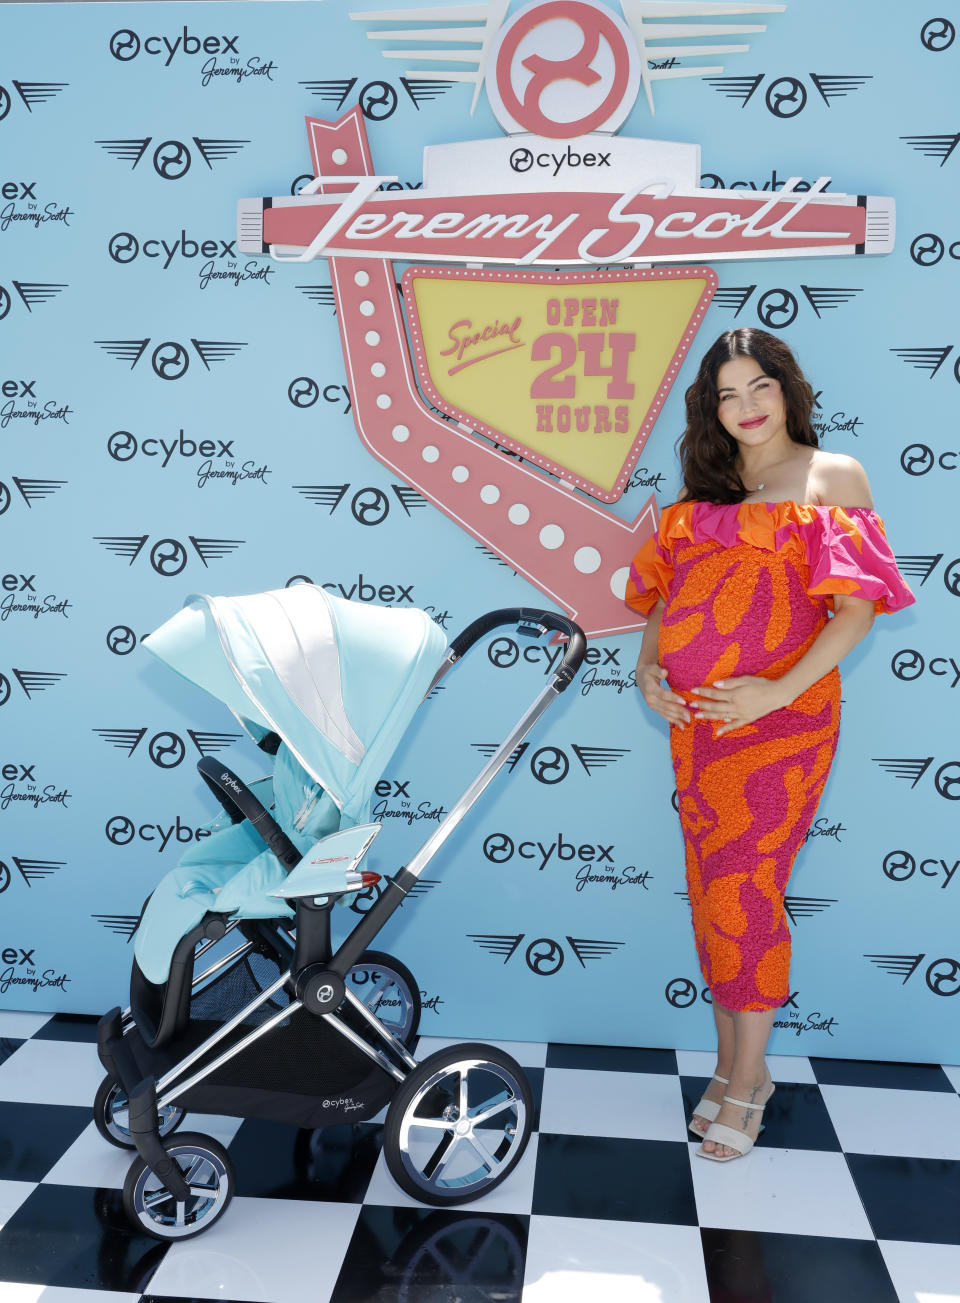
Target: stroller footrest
114 1052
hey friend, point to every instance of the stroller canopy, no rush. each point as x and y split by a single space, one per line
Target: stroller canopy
338 681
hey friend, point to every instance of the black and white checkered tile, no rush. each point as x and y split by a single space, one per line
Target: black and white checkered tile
852 1194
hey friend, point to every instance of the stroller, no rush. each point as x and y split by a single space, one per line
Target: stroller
281 1026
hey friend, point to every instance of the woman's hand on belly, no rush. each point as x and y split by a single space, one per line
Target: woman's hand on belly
738 701
661 699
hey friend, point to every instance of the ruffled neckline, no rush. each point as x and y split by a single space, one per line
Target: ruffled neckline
766 525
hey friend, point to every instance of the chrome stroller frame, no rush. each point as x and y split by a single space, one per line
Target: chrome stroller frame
458 1121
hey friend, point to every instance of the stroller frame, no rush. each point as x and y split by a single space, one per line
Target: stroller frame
179 1185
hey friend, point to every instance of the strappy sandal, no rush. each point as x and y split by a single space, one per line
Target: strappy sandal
721 1134
707 1109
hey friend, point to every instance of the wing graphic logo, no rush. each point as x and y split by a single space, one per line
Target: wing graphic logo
459 42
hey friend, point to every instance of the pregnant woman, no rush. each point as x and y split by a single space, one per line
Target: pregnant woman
758 582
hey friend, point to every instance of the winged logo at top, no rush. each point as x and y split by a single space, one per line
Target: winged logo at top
663 31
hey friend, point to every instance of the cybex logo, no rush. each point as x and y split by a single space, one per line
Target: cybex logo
551 764
166 749
123 446
170 359
168 556
499 847
908 665
362 590
544 956
942 975
120 830
126 45
124 247
900 866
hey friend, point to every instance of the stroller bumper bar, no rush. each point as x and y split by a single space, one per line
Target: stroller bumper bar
240 803
537 622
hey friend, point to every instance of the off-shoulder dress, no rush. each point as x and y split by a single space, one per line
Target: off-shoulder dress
748 587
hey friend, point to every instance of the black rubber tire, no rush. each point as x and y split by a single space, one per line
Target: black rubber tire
379 959
441 1069
104 1119
199 1215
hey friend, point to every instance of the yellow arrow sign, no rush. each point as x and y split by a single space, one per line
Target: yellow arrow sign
569 370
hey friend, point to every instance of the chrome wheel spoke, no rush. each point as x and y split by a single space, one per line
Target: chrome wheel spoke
482 1152
494 1109
440 1156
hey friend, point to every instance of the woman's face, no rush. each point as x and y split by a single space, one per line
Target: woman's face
750 405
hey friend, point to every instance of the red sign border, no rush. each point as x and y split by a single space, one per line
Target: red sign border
563 280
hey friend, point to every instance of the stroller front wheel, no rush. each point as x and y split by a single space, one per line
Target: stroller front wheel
458 1124
205 1166
110 1115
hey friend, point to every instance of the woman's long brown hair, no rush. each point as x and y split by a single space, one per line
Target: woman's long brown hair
707 453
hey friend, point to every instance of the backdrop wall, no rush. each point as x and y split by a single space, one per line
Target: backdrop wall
175 417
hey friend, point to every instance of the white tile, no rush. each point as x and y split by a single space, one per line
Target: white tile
12 1195
634 1105
21 1025
529 1054
783 1067
52 1072
803 1191
923 1273
262 1251
954 1074
515 1195
912 1123
93 1161
570 1259
10 1293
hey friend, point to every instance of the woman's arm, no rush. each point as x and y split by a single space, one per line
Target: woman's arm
649 674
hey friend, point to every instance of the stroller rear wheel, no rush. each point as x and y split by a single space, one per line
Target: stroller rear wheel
205 1166
458 1124
110 1115
388 989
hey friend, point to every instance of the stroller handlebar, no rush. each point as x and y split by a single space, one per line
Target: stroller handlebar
240 803
542 621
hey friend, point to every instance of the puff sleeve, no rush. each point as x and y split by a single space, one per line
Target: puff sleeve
847 552
650 574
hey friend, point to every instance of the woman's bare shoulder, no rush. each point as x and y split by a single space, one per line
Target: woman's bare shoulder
837 480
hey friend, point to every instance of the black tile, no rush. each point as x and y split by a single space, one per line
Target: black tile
77 1238
33 1137
891 1076
909 1198
611 1058
69 1027
620 1180
795 1118
332 1164
756 1266
8 1046
420 1255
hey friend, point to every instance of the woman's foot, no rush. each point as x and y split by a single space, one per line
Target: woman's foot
702 1116
741 1111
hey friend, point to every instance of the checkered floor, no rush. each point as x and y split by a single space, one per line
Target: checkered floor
852 1194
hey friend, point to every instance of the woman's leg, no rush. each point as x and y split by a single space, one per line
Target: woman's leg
726 1047
749 1075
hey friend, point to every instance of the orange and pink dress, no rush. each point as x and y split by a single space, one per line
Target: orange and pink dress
748 587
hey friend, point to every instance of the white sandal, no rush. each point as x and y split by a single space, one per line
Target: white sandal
706 1109
721 1134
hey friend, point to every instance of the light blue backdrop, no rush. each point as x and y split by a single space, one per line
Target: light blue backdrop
107 525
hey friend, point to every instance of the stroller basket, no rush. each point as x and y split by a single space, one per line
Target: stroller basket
283 1026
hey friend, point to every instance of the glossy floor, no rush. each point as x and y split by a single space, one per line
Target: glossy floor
852 1194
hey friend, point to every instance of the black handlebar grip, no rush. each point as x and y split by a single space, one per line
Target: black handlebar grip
240 803
576 639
